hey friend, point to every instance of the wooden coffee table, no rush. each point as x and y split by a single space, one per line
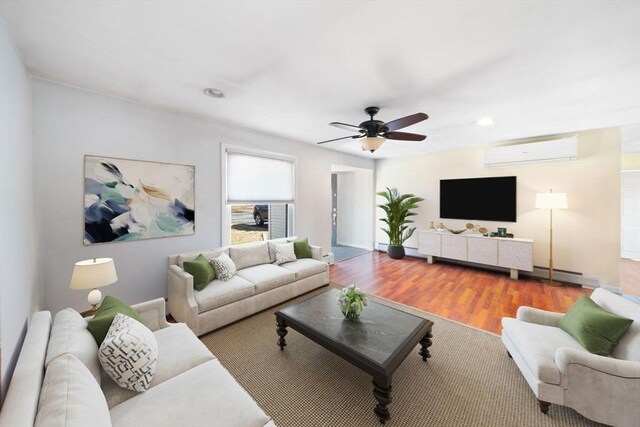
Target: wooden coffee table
377 342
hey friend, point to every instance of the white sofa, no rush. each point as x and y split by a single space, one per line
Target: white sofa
560 371
58 381
258 284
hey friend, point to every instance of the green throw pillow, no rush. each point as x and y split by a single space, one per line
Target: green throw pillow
596 329
201 270
101 322
301 248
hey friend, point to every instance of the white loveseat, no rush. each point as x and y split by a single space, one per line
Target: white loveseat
258 284
560 371
58 381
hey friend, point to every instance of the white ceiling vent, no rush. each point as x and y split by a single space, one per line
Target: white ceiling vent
557 150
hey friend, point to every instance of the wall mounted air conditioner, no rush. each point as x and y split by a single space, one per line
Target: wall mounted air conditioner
557 150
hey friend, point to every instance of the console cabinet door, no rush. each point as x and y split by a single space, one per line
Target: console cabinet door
454 247
483 251
518 255
429 243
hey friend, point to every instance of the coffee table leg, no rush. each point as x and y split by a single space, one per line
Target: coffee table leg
382 393
425 343
282 331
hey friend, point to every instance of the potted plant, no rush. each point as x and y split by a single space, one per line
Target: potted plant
352 301
398 208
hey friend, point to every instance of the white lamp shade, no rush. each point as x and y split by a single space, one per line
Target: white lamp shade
372 143
93 273
551 201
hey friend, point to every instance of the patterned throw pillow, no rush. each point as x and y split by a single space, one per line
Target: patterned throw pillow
129 353
285 253
224 267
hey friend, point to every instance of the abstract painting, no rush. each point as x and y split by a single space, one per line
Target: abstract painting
133 200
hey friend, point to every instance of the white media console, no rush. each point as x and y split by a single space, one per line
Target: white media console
514 254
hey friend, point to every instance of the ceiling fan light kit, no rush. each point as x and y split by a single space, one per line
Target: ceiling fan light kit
373 133
372 143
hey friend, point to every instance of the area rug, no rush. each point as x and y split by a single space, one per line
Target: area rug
468 381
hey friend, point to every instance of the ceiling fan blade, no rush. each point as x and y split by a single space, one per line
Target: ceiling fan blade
404 136
346 126
405 121
338 139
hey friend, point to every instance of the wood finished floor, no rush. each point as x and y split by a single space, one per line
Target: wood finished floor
475 297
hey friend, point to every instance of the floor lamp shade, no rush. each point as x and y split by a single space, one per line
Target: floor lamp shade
93 274
551 201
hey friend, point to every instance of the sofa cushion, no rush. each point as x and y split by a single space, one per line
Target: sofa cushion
101 322
201 270
69 334
129 353
272 246
597 329
70 396
206 395
267 276
220 293
305 267
224 267
190 256
301 248
244 256
537 344
285 253
178 351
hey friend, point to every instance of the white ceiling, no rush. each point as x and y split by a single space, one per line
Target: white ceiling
290 68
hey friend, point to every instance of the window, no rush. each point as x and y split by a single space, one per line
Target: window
258 195
255 223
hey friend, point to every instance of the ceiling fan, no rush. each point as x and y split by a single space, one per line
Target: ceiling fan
373 133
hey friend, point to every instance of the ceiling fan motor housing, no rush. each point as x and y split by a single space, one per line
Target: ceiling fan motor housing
373 127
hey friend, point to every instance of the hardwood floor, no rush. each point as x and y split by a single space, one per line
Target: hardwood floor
468 295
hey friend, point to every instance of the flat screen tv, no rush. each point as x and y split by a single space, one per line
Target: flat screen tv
487 199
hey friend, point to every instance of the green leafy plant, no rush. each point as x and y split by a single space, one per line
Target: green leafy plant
398 208
352 301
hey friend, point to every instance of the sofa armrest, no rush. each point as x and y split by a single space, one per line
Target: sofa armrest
152 313
565 357
316 252
541 317
181 299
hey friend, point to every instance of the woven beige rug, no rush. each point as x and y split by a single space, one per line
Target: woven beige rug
469 380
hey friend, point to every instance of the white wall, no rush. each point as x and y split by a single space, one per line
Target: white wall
19 291
355 209
69 123
586 236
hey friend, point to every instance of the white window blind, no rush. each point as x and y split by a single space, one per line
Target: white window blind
253 178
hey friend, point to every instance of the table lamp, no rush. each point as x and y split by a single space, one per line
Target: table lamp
93 274
551 201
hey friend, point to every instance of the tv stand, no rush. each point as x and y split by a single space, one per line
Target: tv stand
514 254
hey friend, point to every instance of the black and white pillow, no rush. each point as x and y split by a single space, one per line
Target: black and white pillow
285 253
129 353
224 267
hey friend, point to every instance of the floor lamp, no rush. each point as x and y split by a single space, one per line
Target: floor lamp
551 201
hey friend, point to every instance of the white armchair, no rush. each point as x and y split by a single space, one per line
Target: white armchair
560 371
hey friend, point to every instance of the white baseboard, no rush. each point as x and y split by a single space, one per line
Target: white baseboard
586 280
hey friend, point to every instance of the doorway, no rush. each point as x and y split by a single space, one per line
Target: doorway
630 233
630 212
351 212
